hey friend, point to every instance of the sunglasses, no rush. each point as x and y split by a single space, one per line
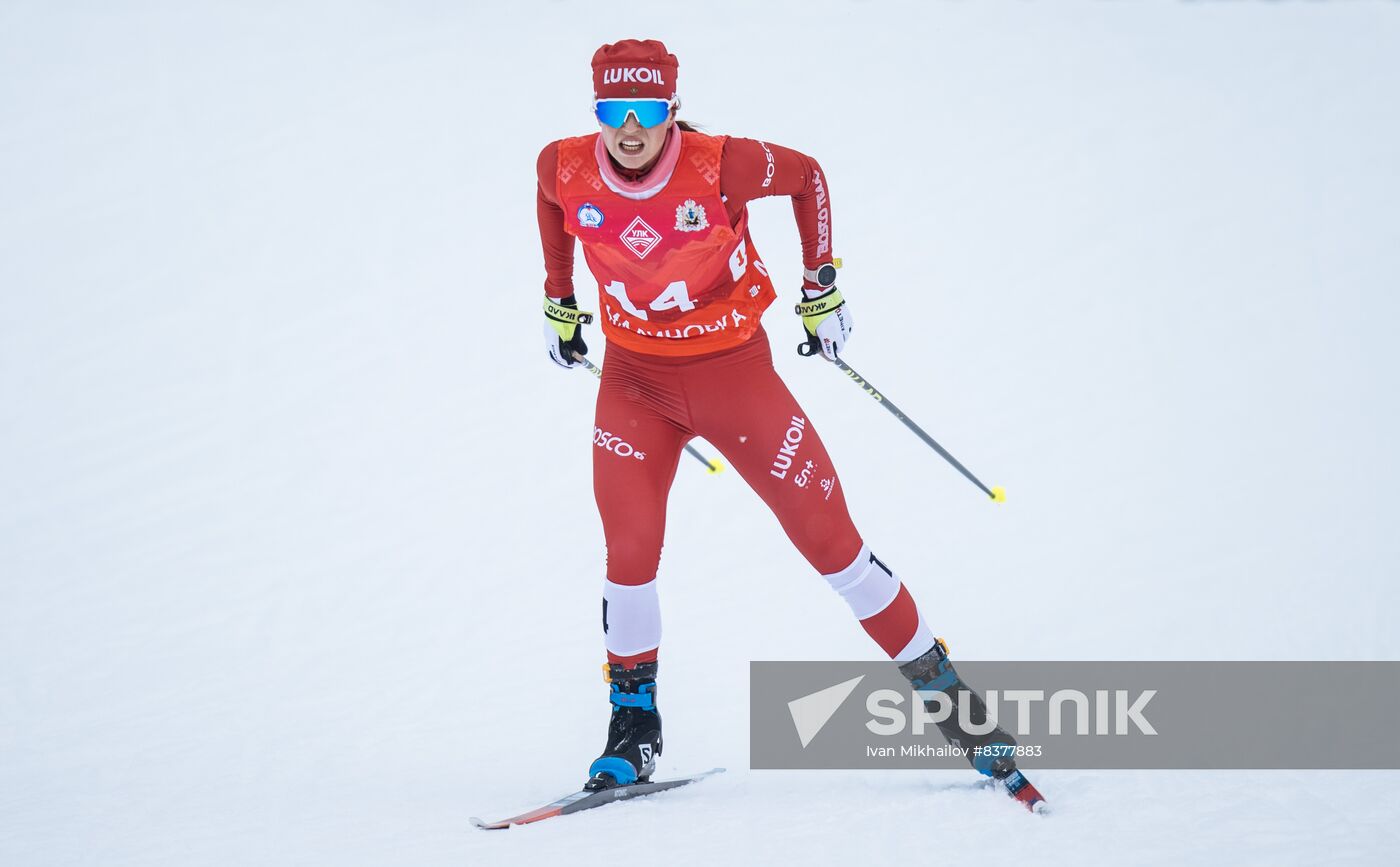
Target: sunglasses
648 112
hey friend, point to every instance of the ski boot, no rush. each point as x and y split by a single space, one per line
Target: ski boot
634 733
992 753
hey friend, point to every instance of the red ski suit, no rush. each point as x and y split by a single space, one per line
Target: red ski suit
682 289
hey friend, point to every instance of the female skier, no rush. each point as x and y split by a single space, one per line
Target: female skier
661 210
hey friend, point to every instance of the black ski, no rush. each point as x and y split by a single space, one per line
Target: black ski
585 800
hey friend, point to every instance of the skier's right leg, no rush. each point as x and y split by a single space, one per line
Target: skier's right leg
638 437
637 444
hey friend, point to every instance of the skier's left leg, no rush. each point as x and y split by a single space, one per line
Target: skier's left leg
741 406
739 403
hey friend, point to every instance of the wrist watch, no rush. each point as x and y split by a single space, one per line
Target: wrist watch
823 275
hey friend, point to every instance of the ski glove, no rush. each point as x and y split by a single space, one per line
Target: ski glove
828 324
563 330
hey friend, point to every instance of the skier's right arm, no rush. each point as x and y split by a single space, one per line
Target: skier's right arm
563 322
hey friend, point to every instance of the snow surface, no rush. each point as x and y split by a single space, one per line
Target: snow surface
298 556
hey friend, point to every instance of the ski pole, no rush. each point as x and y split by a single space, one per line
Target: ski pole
998 494
713 466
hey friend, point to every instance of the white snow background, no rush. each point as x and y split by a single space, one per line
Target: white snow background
299 562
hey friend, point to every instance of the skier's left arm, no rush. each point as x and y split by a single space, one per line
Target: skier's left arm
753 169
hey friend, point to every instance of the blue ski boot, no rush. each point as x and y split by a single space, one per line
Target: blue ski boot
634 733
992 753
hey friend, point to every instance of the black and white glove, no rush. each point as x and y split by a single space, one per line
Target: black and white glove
824 313
828 323
563 330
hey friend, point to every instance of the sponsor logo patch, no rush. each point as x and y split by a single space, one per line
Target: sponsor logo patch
640 238
609 442
690 217
589 217
623 75
823 216
768 170
792 438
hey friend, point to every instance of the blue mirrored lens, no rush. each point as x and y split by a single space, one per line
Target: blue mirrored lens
649 112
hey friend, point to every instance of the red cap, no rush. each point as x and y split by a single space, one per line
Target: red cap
634 69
